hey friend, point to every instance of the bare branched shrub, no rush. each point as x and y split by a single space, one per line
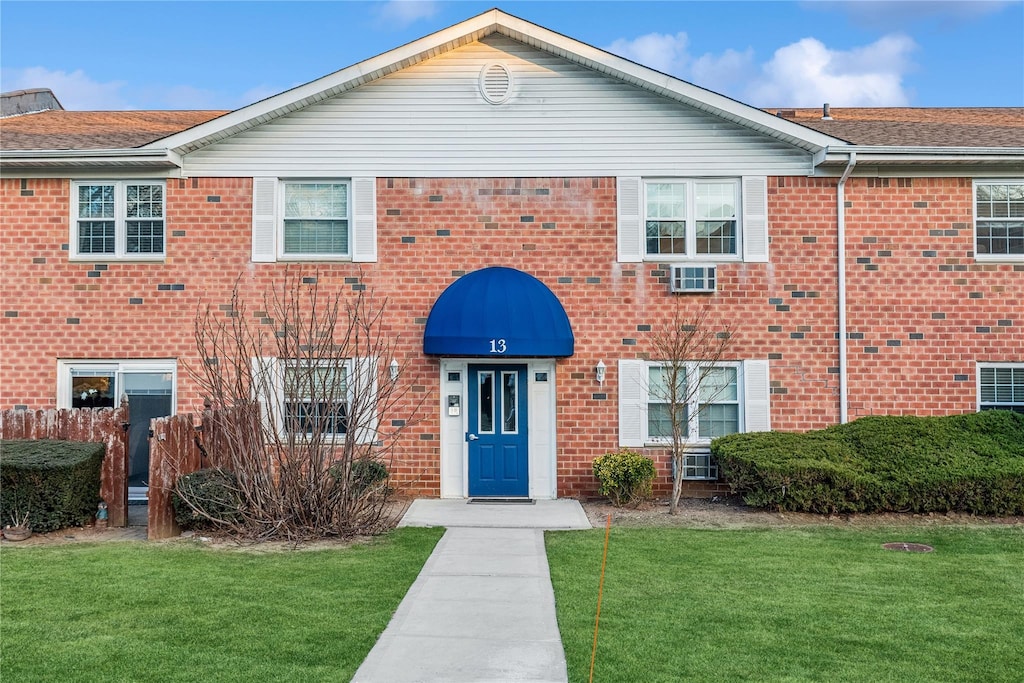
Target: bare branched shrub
295 392
688 346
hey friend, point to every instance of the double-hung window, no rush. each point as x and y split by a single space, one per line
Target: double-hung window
708 410
316 220
705 411
1001 387
118 219
691 219
999 219
315 398
710 401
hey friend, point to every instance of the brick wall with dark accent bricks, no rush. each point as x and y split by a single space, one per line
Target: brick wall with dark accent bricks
562 231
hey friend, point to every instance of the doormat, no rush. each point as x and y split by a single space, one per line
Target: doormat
501 501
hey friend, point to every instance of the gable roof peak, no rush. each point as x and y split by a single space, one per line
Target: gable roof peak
471 30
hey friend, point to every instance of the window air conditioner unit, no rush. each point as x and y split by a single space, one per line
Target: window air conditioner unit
687 279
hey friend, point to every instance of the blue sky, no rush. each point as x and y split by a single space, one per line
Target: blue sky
224 55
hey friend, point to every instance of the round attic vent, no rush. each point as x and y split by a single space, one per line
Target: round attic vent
496 83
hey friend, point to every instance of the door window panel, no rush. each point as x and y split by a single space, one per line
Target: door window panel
486 402
509 402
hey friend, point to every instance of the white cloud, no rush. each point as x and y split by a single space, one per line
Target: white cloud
401 13
807 73
74 90
803 74
724 73
660 51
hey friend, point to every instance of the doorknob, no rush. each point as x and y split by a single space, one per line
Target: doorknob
473 437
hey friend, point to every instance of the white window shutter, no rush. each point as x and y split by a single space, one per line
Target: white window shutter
264 220
755 219
630 214
756 396
632 402
363 392
364 220
268 389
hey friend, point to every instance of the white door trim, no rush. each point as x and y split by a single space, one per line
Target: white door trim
541 424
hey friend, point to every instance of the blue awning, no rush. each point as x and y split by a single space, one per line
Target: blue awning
498 312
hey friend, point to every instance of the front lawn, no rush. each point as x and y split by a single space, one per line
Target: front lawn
819 604
147 612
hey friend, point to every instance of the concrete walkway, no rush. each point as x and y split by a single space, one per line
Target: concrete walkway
482 608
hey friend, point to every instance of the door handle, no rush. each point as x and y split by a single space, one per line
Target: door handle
472 437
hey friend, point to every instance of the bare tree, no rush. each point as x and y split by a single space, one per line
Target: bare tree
689 347
296 391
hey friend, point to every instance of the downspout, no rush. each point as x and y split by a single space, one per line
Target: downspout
844 416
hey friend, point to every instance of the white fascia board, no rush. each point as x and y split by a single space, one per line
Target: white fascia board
330 85
892 153
934 152
135 156
496 21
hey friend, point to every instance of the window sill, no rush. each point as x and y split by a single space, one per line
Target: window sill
111 258
999 258
709 260
301 258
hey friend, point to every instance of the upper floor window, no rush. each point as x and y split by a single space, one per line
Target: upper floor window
692 218
120 219
999 219
1001 387
316 219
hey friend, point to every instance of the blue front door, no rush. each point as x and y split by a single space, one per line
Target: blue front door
497 436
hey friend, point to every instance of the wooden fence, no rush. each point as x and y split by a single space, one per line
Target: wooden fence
108 426
178 446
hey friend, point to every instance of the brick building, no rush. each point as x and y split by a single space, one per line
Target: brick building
535 210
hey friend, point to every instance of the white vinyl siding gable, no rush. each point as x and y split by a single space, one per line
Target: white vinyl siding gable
271 221
561 119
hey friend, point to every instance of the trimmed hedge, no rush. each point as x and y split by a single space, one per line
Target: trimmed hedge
56 482
964 463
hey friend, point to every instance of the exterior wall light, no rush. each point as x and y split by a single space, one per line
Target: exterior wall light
393 369
599 369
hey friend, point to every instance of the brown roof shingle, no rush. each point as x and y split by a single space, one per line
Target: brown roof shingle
58 129
897 126
918 127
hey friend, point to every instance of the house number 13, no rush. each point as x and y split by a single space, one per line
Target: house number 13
498 346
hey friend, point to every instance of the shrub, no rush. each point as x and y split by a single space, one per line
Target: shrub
965 463
56 483
364 475
206 498
625 476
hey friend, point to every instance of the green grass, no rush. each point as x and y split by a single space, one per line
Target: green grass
145 612
793 605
